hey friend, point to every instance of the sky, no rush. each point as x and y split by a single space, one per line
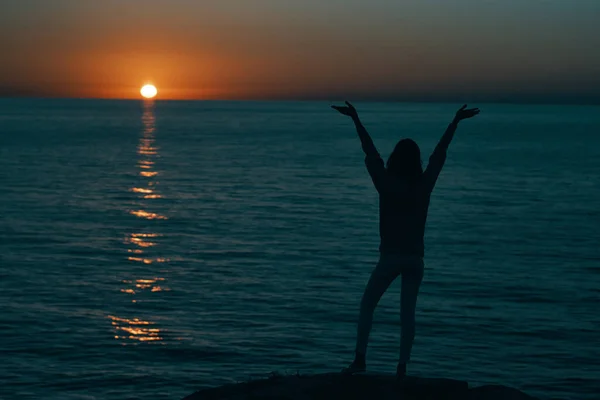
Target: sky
512 50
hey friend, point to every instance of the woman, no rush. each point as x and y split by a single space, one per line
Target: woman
404 193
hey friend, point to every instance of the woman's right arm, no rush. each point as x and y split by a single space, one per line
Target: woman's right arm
438 157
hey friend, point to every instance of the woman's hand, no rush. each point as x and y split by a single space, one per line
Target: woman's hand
348 110
365 140
465 113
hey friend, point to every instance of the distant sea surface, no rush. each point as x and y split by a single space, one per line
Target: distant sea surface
148 250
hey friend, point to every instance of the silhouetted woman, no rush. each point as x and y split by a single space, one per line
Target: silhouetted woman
404 193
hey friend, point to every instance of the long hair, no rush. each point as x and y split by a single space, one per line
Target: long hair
405 161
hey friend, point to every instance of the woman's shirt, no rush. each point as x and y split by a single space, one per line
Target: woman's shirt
402 207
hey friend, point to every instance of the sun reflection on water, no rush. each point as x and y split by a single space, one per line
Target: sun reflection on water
148 174
143 246
140 239
135 329
147 215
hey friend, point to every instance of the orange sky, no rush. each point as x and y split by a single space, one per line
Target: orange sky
267 49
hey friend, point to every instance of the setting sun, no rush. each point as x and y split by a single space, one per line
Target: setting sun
149 91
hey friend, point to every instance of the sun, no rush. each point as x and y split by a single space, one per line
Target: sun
149 91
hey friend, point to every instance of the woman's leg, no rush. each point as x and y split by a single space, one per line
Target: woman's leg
412 275
381 278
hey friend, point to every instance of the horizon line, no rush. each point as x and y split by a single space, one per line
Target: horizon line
532 99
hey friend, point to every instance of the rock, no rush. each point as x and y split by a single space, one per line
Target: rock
358 387
497 392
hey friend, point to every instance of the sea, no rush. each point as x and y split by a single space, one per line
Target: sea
152 249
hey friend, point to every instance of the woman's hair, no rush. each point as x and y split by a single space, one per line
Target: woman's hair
405 161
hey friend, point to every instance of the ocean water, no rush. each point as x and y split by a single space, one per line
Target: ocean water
148 250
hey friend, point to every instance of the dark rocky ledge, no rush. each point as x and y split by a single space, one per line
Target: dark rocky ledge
358 387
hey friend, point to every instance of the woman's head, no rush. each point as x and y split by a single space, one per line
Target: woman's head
405 160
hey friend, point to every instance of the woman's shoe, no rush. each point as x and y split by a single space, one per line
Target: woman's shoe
401 371
355 368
